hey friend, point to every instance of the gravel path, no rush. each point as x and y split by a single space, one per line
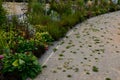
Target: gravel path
90 51
14 8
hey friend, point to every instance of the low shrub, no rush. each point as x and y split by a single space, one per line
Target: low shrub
42 40
23 45
20 66
40 50
43 37
39 28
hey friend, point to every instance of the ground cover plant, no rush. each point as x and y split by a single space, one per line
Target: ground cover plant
46 22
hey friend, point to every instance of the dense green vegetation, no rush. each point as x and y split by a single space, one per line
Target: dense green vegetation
2 14
20 42
21 66
16 0
64 16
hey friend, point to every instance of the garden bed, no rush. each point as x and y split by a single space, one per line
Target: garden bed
45 23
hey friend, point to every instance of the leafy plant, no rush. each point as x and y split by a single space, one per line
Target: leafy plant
23 45
39 28
41 42
25 64
43 37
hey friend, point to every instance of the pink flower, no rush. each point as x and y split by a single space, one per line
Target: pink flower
1 57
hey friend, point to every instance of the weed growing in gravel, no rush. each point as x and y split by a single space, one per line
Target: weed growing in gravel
89 60
66 36
74 52
81 62
67 47
60 58
89 45
85 58
95 69
70 43
62 42
64 70
78 36
102 35
61 55
87 73
44 66
117 51
107 79
63 51
69 76
54 71
101 45
96 58
73 45
59 68
54 49
99 51
76 69
81 46
95 30
91 55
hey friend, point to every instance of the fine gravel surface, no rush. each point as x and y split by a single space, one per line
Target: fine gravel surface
15 8
90 51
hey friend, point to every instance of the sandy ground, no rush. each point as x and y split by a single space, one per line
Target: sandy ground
90 51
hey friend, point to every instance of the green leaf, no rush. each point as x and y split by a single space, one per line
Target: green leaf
35 62
33 58
15 63
21 61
